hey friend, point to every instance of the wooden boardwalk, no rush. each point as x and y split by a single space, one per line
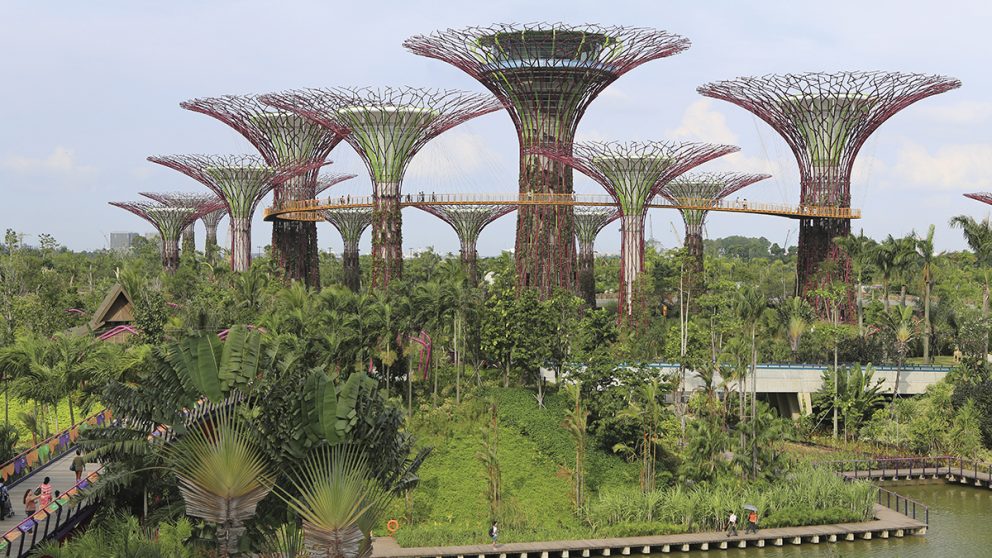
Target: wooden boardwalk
887 523
962 475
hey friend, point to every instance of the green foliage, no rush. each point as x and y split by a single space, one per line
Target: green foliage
123 536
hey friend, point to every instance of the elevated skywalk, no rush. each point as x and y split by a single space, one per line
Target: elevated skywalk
51 458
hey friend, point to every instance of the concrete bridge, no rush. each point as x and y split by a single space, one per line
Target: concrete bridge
789 387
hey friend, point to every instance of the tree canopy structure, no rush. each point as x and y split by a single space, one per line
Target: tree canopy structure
633 173
282 138
241 181
351 223
701 189
826 118
185 199
170 222
984 197
588 222
546 75
468 222
388 127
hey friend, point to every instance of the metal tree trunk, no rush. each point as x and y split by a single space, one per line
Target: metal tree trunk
587 273
631 261
387 234
694 250
210 243
352 269
816 246
470 266
240 244
545 248
170 255
189 240
294 243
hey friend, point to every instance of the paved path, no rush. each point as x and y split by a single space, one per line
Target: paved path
62 480
885 521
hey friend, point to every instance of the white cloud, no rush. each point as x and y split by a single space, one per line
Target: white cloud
961 167
61 160
701 123
964 112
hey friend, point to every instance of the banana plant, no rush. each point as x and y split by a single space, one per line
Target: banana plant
212 368
331 408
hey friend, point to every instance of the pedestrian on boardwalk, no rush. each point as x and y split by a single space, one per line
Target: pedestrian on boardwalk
752 522
494 533
44 492
732 525
30 503
78 465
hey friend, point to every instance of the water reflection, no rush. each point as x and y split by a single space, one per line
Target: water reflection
959 528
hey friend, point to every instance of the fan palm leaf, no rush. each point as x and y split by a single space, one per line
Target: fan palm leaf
339 502
222 475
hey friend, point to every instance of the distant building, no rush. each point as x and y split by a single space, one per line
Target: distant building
122 241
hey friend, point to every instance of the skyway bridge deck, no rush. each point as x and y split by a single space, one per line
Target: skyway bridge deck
309 210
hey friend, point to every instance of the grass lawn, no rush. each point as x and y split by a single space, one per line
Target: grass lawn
18 407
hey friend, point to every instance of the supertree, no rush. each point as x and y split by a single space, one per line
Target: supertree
169 221
702 190
351 222
210 222
241 181
468 222
826 118
328 179
546 75
633 173
186 199
282 138
984 197
388 127
589 220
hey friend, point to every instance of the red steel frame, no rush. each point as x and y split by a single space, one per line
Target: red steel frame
281 139
388 127
546 75
468 222
169 221
826 119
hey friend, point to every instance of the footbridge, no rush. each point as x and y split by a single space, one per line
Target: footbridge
789 387
310 210
51 458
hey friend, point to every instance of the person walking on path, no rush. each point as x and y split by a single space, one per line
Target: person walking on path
752 522
44 493
78 465
494 533
732 525
30 503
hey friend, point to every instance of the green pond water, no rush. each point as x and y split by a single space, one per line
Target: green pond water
960 527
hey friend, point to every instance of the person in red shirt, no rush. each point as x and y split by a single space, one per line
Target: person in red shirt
44 493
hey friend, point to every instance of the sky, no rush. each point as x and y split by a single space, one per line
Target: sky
93 88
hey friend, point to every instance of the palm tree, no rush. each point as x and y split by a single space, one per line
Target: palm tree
794 314
885 255
644 405
339 502
979 238
900 323
924 248
223 475
906 260
750 305
860 249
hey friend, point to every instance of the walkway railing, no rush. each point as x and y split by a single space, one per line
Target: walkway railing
308 210
51 449
885 467
906 506
64 512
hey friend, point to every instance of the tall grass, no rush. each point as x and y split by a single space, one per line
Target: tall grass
806 496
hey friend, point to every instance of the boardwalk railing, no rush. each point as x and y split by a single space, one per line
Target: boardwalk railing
64 512
906 506
51 449
308 210
890 467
